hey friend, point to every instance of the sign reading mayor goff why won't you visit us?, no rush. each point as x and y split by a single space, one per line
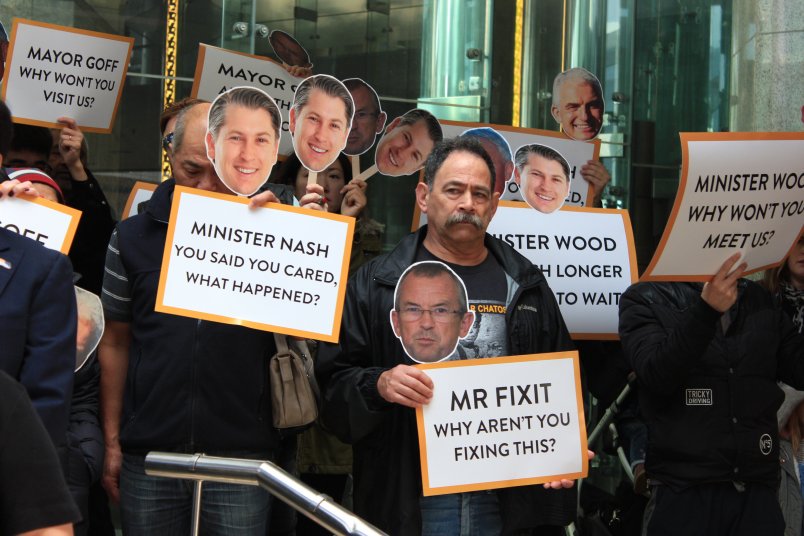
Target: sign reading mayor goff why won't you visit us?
56 71
502 422
739 192
218 70
277 268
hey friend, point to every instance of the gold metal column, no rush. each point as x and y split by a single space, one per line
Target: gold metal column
169 88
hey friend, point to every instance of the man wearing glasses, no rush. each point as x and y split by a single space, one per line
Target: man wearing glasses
371 390
369 119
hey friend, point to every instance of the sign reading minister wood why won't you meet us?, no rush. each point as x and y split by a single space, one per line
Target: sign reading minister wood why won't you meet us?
739 192
502 422
277 268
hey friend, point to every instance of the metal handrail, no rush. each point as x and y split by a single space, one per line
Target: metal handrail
317 506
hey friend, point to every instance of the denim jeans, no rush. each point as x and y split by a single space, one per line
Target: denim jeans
155 505
461 514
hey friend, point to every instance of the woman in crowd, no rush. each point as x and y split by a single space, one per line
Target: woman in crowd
323 462
787 283
342 196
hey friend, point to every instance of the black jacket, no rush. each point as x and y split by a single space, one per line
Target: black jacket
192 385
88 251
387 472
709 398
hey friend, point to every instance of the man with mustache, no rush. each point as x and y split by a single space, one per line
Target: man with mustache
371 390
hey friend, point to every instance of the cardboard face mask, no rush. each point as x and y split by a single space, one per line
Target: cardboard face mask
578 104
543 176
242 140
431 312
320 120
90 325
498 150
369 119
288 49
408 141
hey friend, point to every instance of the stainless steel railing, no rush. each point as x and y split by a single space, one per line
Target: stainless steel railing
318 507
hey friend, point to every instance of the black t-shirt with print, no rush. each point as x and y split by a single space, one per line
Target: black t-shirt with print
487 288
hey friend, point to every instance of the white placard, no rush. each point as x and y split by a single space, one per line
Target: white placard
277 268
51 224
140 192
56 71
586 254
739 192
577 154
218 70
502 422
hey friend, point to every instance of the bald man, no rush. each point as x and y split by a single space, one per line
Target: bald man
177 384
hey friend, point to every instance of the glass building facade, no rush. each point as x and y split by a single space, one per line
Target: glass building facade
666 66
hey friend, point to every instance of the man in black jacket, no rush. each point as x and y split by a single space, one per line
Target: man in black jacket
707 359
178 384
371 389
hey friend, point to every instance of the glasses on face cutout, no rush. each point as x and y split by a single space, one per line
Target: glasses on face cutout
439 314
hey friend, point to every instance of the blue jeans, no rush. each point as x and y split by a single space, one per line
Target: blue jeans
154 505
461 514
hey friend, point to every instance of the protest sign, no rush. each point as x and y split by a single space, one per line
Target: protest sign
49 223
218 70
277 268
739 192
141 191
488 427
587 255
56 71
577 154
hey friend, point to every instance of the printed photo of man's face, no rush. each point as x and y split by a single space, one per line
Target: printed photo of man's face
320 121
543 176
578 104
408 141
369 119
431 312
242 139
288 49
89 329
